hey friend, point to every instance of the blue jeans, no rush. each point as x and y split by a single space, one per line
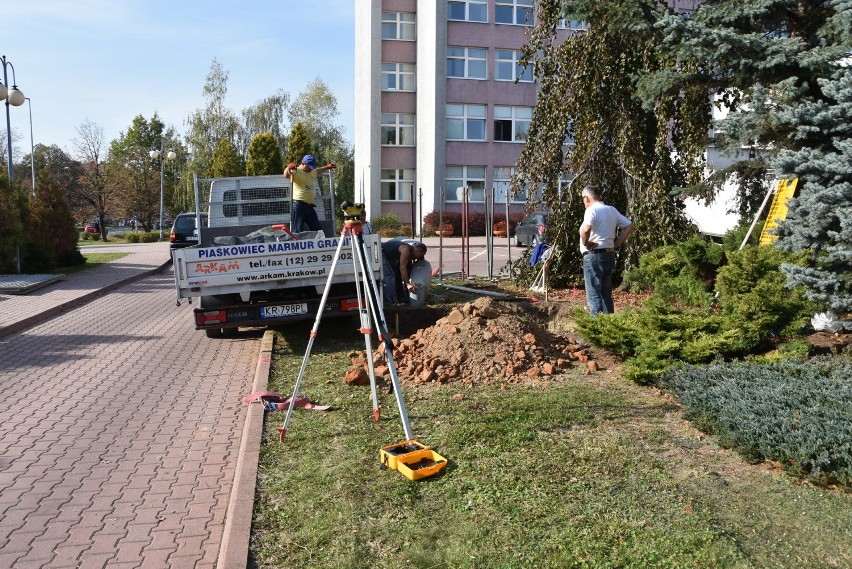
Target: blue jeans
304 217
597 272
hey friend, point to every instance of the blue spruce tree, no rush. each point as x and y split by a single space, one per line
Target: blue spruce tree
820 218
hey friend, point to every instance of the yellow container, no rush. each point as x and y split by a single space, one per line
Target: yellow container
420 464
390 454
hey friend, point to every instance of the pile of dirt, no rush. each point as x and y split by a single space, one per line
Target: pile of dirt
480 342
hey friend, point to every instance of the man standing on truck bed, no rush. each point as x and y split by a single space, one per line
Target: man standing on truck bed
304 214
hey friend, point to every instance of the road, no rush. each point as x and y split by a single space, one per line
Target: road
119 429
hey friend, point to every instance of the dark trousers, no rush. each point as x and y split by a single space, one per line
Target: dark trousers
304 217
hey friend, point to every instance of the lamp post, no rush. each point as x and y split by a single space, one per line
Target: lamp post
14 97
154 154
32 143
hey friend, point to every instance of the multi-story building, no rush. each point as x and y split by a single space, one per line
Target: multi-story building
437 105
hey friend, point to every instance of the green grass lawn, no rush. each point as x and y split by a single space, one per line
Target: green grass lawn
92 260
589 471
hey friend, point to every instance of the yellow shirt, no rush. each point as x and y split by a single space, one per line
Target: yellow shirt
303 185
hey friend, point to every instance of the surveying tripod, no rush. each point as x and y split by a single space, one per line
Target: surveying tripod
371 312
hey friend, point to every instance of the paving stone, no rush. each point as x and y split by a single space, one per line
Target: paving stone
104 467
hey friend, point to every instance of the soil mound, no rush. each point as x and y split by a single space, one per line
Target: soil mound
481 342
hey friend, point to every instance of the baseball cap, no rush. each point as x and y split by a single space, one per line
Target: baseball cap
310 161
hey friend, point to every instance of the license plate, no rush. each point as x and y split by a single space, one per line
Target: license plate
284 310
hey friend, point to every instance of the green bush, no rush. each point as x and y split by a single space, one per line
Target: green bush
36 259
679 325
796 413
85 236
385 221
149 237
133 237
754 295
659 336
391 232
681 274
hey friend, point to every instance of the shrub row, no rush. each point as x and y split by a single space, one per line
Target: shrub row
796 413
90 236
475 221
142 236
682 321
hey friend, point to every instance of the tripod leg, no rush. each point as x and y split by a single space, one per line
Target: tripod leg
282 431
366 323
382 331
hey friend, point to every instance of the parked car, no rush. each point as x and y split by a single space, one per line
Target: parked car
532 229
92 228
184 233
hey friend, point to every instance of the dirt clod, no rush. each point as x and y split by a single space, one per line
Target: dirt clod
482 342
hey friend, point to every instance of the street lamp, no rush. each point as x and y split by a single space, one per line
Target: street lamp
14 97
154 154
32 144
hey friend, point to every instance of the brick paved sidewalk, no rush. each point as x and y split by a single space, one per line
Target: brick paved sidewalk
18 312
121 426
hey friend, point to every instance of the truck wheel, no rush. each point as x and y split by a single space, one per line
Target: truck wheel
214 332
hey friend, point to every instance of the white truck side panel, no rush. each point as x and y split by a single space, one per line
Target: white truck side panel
226 269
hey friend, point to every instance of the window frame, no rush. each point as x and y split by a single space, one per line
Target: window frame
399 126
467 5
516 67
399 180
502 181
573 25
466 179
518 136
517 7
467 60
466 117
400 76
401 23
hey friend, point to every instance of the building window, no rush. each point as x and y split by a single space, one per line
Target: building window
397 184
574 25
466 122
518 12
398 77
398 26
511 124
466 62
397 129
507 68
467 11
502 186
460 176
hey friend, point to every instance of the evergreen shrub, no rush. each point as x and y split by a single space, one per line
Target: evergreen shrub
36 259
679 325
793 412
385 221
133 237
681 274
149 236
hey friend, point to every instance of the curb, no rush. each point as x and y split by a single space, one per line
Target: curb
75 303
233 551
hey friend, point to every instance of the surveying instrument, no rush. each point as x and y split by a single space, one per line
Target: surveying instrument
411 458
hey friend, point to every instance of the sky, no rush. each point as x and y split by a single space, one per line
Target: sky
107 61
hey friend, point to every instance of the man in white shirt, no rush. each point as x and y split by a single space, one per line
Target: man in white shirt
598 242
